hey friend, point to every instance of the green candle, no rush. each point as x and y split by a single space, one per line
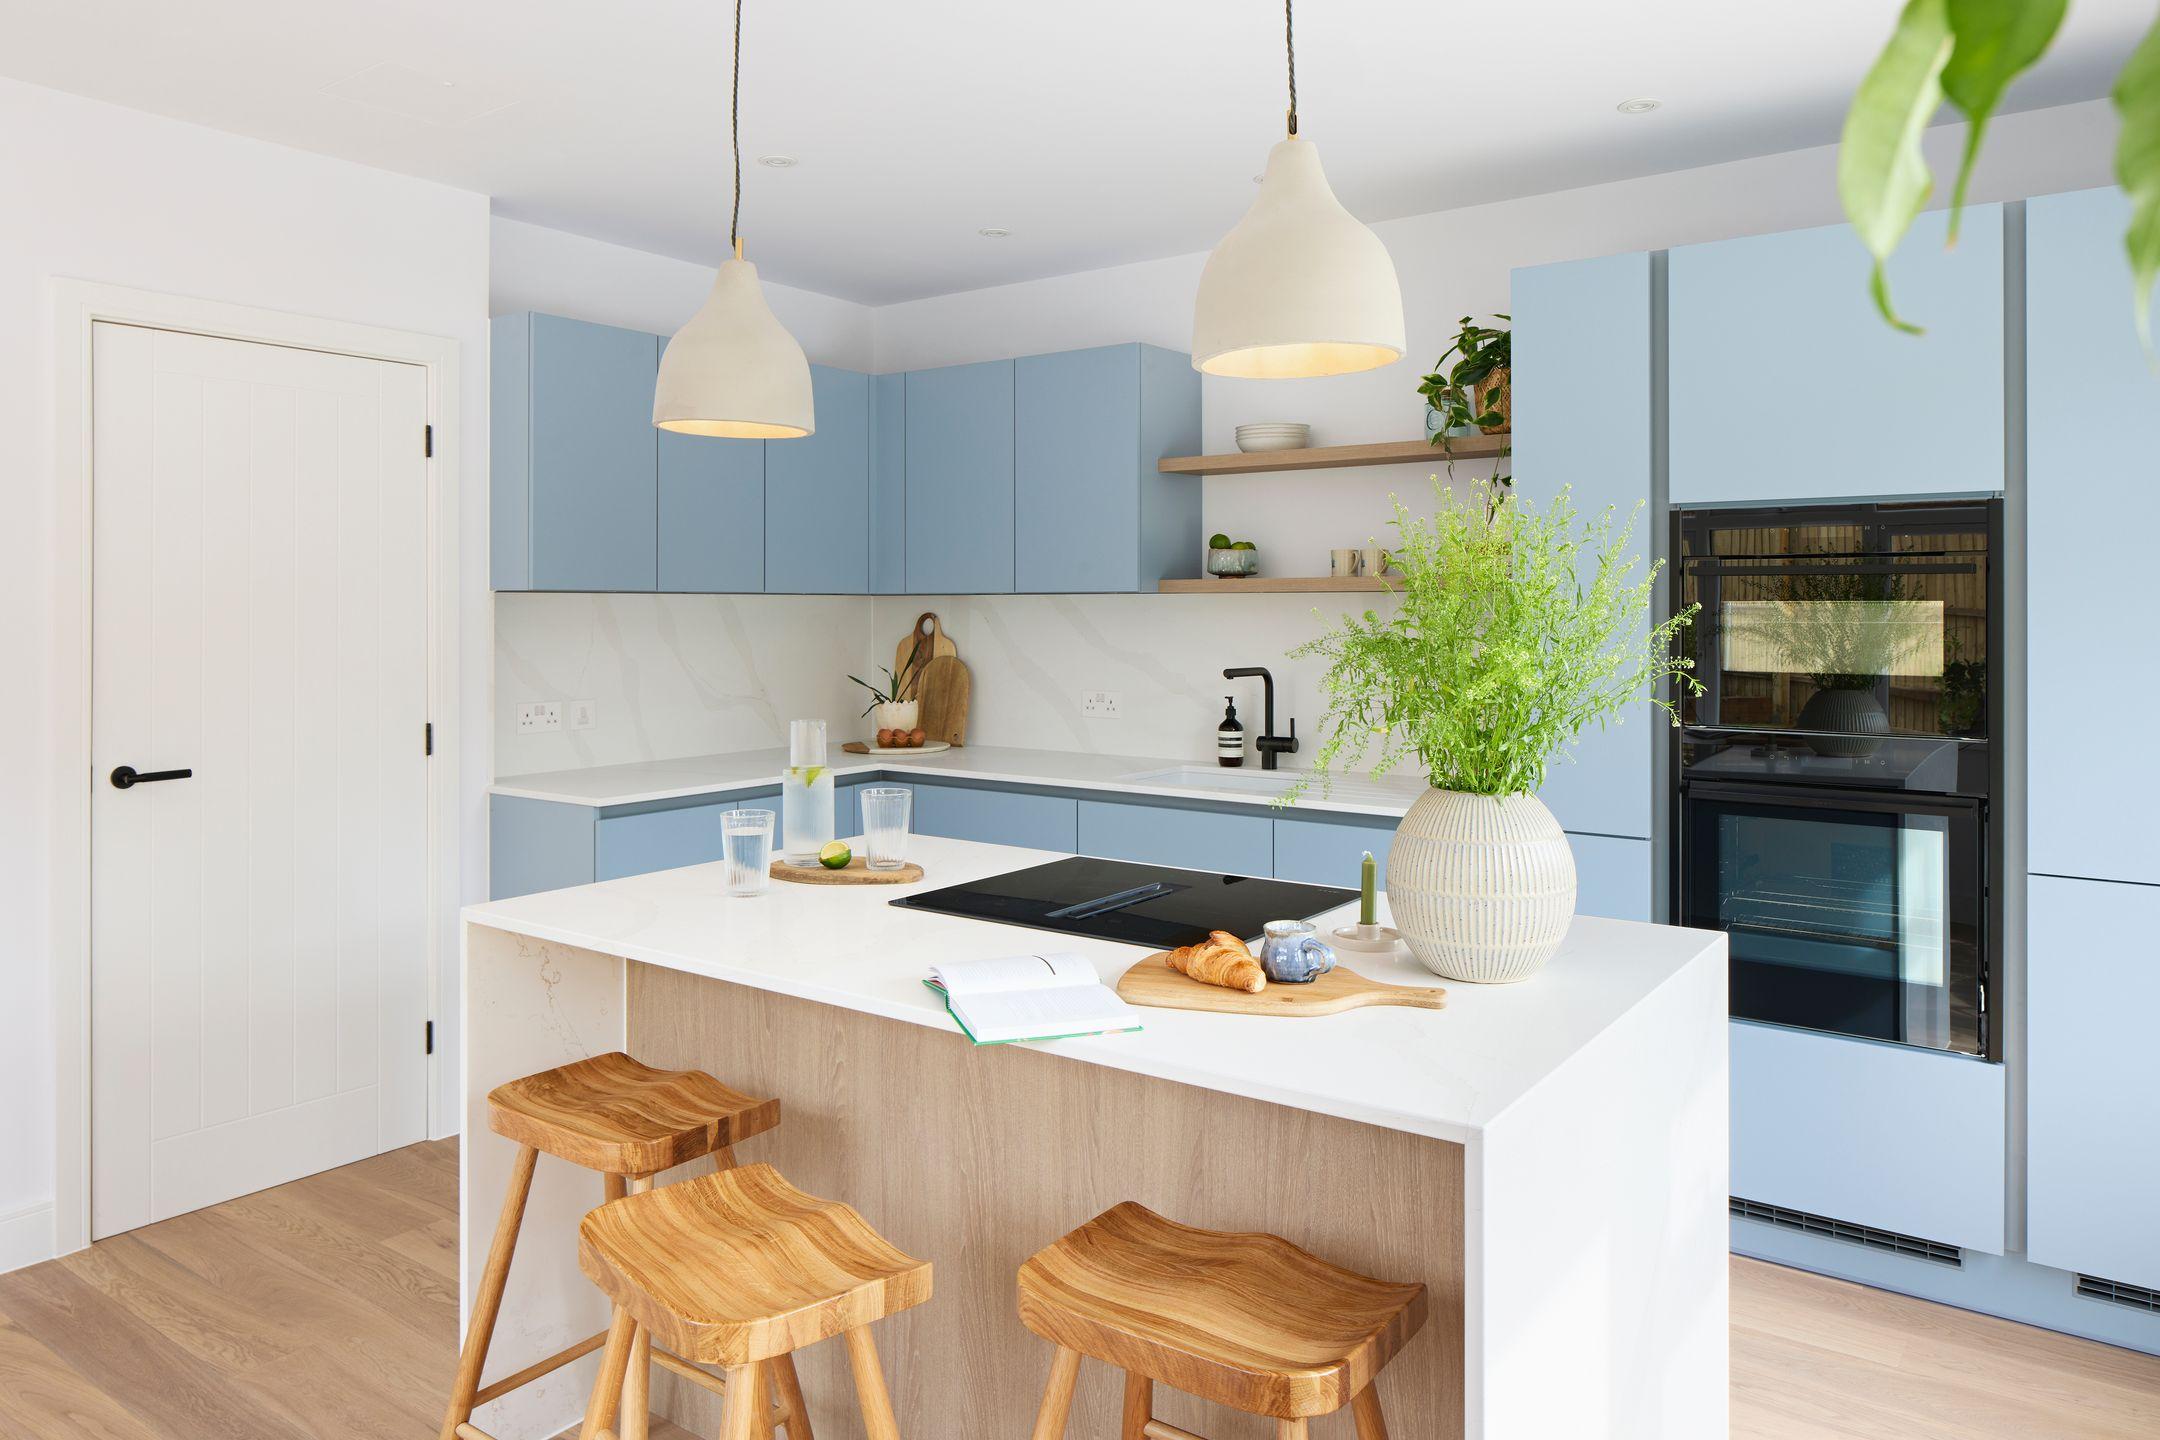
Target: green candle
1365 914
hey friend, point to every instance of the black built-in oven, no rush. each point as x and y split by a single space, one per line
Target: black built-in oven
1836 778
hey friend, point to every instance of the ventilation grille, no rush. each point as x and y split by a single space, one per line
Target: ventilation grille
2117 1292
1890 1240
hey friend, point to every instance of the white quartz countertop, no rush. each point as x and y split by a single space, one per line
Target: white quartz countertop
1445 1073
649 780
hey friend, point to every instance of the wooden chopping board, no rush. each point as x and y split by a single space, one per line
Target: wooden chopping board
858 872
1153 982
933 643
946 687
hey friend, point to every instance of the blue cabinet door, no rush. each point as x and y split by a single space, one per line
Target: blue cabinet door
2093 488
510 452
888 485
712 513
1239 844
536 845
817 494
1612 877
996 817
652 840
2092 982
1775 345
1582 398
1076 470
960 479
592 492
1325 852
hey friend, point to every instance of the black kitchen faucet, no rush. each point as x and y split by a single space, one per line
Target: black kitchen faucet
1269 744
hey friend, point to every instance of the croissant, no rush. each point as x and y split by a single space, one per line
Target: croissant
1221 959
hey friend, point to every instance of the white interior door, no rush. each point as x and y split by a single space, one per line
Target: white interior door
259 963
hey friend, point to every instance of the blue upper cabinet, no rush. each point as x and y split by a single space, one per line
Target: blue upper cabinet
888 484
573 473
1091 512
959 446
712 511
817 494
1787 385
1582 411
2092 435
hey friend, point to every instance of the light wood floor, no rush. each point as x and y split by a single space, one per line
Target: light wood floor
327 1308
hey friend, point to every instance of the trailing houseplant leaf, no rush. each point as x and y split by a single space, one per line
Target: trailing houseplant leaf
2137 167
1992 43
1883 177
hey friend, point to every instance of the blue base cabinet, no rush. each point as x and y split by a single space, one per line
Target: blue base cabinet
996 817
1234 844
1330 852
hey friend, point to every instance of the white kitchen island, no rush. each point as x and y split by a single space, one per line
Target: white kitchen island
1549 1157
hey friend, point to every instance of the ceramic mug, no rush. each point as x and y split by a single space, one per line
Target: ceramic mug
1293 954
1374 561
1342 563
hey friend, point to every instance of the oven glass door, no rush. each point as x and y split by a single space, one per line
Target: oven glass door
1849 913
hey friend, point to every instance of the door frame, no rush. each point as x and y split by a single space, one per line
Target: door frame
77 305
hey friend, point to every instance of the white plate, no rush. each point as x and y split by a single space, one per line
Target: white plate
1255 438
928 747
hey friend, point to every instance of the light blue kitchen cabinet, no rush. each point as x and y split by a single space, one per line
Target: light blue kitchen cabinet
1785 384
1888 1136
1234 844
888 484
1327 852
1612 877
995 817
536 845
649 840
1091 512
2092 986
817 494
573 474
959 446
711 536
2093 508
1583 402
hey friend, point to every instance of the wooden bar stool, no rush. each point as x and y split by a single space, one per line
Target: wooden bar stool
739 1270
611 1114
1248 1321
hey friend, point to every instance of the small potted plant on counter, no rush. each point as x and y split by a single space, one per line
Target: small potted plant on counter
1517 629
893 701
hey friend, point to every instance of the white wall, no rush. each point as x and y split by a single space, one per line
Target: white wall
96 192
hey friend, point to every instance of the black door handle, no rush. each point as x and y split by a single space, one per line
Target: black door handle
127 776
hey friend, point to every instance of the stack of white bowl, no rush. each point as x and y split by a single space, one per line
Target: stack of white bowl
1273 435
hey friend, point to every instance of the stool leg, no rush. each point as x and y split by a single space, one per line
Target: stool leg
1139 1407
870 1392
780 1377
608 1384
744 1398
1292 1430
488 1302
637 1389
1365 1409
1057 1395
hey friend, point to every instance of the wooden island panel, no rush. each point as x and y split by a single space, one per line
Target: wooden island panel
977 1157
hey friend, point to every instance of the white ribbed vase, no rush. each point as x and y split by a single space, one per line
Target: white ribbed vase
1482 887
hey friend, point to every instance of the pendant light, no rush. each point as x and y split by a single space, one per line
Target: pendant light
1299 287
734 370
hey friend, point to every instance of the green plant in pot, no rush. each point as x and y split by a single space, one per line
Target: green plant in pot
1519 626
1468 388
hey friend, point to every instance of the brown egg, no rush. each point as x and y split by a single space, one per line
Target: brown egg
884 738
917 736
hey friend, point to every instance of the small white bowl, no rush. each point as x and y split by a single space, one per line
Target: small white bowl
1273 435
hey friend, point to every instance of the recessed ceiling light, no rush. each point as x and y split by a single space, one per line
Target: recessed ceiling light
777 162
994 232
1640 106
1258 178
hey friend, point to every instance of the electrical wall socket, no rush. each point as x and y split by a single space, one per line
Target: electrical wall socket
538 715
582 715
1102 704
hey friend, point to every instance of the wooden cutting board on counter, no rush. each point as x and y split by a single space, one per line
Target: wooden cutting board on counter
1153 982
921 645
945 690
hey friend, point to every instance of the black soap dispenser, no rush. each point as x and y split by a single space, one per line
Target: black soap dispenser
1230 737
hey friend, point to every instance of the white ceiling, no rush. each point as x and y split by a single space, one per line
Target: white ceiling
1097 133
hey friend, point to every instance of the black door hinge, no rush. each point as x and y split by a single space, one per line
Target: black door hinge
427 439
427 737
431 1037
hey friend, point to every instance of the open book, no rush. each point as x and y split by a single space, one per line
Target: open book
1029 997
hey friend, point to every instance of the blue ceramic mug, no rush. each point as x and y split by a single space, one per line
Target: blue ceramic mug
1293 954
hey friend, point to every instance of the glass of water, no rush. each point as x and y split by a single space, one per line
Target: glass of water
746 843
885 826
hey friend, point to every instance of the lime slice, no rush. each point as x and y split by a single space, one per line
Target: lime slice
835 855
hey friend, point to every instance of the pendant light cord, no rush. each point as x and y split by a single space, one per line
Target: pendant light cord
1289 38
735 129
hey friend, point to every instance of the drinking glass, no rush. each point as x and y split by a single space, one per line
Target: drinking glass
746 842
885 826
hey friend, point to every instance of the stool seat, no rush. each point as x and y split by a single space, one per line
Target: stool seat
740 1266
1250 1321
620 1117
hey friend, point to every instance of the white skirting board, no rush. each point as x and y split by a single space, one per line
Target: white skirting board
26 1237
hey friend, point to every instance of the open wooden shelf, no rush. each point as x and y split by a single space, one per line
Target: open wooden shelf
1392 452
1279 585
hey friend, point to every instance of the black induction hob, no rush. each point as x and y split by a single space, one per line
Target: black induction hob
1153 905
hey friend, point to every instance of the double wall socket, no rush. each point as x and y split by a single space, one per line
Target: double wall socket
1102 704
538 715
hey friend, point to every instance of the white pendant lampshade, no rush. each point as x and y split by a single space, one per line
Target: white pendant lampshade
734 370
1300 287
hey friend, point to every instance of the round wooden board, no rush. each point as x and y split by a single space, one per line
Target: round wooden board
1153 982
858 872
